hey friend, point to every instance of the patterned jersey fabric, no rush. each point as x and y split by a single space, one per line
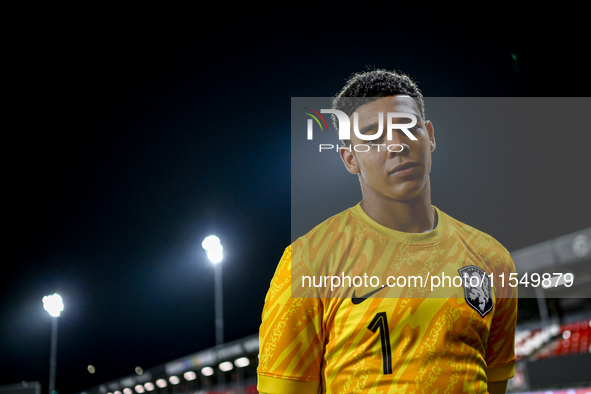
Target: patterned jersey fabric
388 335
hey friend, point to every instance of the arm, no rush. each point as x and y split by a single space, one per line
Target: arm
500 350
497 387
267 385
291 341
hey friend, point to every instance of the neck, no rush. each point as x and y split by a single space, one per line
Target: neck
410 216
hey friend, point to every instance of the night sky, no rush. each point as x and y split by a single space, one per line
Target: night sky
129 139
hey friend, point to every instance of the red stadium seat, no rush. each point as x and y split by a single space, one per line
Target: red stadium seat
584 342
558 347
574 348
566 346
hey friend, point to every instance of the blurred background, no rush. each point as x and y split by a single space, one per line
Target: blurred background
136 133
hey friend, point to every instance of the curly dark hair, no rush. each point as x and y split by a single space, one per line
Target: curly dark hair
370 86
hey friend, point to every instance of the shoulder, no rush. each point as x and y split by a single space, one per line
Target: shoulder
337 226
478 242
295 256
484 251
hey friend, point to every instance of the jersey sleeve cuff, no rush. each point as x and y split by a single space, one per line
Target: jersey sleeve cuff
498 374
272 385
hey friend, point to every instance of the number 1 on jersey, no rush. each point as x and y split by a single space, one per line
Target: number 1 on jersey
380 321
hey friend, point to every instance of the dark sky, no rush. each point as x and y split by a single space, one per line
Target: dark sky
129 139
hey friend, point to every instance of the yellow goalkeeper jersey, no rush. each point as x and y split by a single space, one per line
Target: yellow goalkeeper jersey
354 307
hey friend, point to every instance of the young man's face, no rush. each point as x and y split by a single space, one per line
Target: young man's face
399 176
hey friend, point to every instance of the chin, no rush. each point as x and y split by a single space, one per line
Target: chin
407 194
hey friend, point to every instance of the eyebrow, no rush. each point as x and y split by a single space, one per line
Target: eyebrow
374 125
369 127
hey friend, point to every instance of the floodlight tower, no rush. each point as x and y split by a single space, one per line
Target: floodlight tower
214 250
54 305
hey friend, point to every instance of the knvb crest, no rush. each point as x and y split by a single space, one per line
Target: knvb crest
477 289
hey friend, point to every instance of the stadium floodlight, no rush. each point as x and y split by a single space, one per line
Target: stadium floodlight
210 242
54 305
149 386
215 256
214 249
139 389
207 371
242 362
190 375
161 383
566 334
174 380
226 366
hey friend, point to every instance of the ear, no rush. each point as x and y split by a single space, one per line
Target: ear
431 132
349 159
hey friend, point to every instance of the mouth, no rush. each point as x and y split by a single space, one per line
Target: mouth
405 168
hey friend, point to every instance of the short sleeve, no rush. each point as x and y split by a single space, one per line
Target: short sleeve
500 349
291 339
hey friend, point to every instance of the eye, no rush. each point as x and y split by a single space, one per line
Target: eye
415 129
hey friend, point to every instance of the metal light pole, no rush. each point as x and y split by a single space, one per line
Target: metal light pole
219 305
54 305
214 250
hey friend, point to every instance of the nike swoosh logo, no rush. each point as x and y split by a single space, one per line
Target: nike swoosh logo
358 300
